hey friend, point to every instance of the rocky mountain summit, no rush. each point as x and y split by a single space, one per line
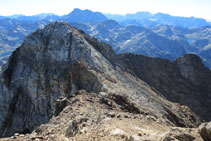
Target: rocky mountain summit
84 16
63 84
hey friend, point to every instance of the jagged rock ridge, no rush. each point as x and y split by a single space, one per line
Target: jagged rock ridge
185 80
55 62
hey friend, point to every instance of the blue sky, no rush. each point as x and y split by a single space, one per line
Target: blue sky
196 8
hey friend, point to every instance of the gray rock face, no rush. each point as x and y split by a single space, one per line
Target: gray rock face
191 68
39 72
185 81
55 62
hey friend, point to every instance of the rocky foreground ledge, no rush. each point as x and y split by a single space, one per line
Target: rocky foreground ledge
89 117
62 84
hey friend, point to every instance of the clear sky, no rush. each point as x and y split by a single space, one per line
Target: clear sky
196 8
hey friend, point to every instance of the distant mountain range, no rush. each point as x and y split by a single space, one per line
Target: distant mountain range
145 19
148 19
156 35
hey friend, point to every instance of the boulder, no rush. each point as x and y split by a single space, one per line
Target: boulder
205 131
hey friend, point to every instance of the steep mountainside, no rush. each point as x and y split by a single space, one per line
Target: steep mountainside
55 63
185 81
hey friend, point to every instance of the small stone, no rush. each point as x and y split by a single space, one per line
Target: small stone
111 114
16 134
101 134
83 131
146 134
153 118
134 138
126 116
37 138
84 125
130 138
147 117
12 137
22 135
118 132
118 116
140 133
134 117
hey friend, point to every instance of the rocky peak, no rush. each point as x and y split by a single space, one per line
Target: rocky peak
55 62
135 29
85 16
43 69
190 60
192 68
164 30
110 24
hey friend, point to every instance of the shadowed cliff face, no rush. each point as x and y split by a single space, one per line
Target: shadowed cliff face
55 62
185 81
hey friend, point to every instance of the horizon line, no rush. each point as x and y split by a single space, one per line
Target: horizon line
104 13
